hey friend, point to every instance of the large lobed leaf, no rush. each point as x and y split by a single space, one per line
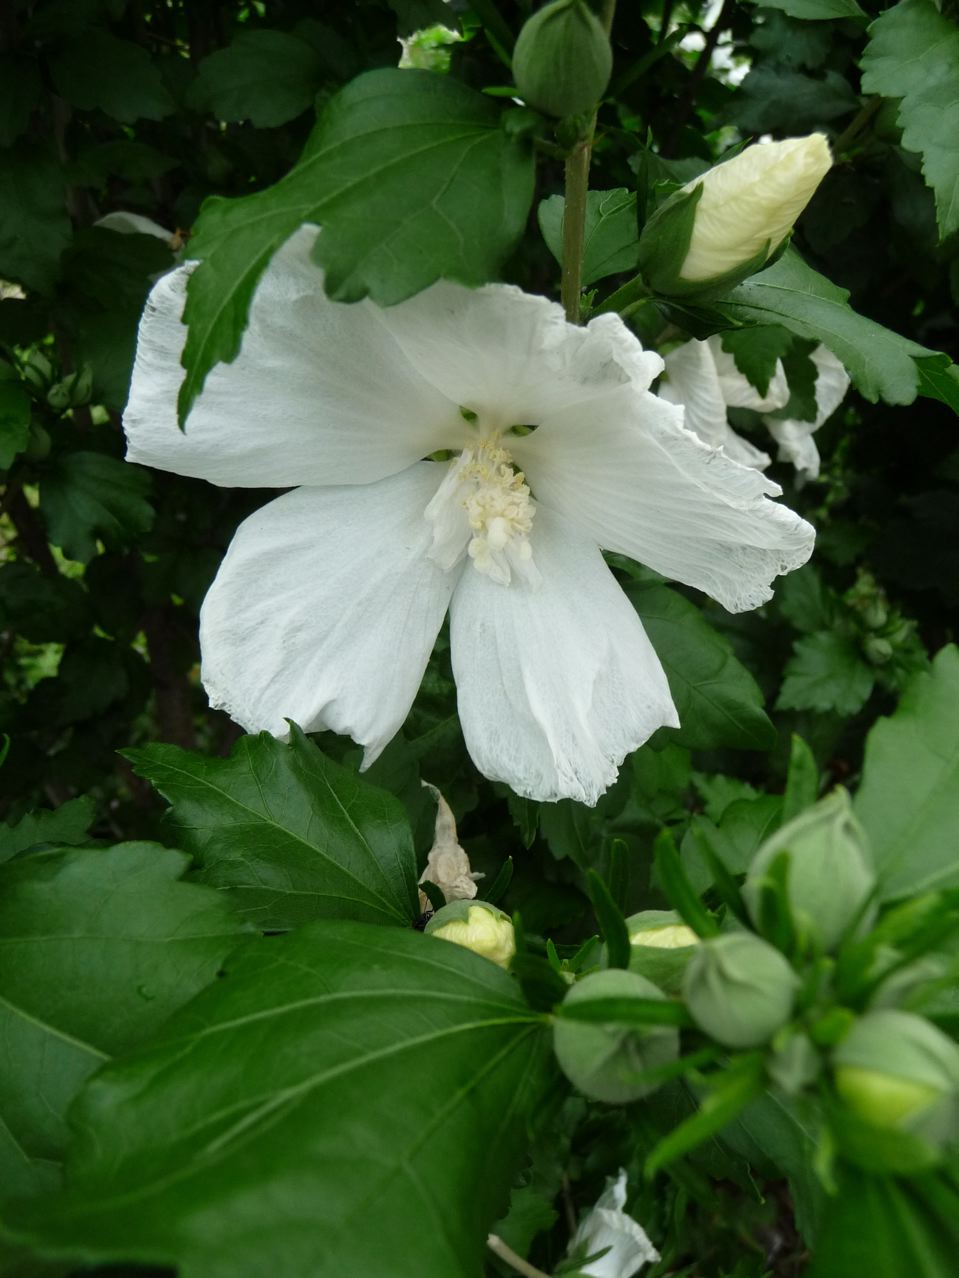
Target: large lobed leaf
411 177
882 364
913 54
97 947
909 797
349 1100
287 833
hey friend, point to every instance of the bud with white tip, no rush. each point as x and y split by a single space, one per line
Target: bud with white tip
478 926
727 224
661 947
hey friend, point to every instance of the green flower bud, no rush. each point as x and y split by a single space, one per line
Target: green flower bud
897 1070
606 1061
478 926
562 61
662 945
739 989
729 223
830 869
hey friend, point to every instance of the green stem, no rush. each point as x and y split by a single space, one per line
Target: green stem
628 294
499 1248
574 215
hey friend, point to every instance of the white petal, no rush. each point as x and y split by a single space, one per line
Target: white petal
325 610
607 1225
510 356
739 449
320 393
556 683
796 445
626 470
738 391
832 382
133 224
692 380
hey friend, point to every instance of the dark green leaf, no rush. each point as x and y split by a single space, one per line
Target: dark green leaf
376 175
611 242
14 421
625 1011
612 925
773 97
731 1093
717 699
939 379
19 94
98 72
816 10
806 601
99 946
267 77
756 351
802 780
913 54
909 797
34 227
680 893
88 495
67 824
826 672
290 835
369 1090
880 362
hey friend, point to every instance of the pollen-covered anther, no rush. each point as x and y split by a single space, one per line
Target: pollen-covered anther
483 485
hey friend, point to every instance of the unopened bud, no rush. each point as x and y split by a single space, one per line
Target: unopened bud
662 945
607 1061
478 926
739 989
562 61
830 872
896 1070
727 224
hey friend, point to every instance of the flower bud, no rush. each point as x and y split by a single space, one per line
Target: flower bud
896 1070
662 945
739 990
606 1061
727 224
478 926
562 61
830 869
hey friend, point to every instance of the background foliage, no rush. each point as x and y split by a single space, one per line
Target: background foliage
154 106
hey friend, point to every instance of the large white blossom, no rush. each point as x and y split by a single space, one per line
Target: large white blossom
328 602
607 1226
704 379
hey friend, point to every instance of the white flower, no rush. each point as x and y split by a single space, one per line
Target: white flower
327 605
447 865
607 1225
795 438
705 380
749 203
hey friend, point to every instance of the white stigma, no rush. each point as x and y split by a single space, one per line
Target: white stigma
483 509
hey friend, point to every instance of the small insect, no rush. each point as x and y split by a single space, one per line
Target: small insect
419 925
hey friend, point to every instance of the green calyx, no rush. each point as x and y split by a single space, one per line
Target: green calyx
739 989
562 61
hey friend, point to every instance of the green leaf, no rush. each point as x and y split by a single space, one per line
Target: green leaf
88 495
826 672
679 891
68 824
887 1228
815 10
20 88
267 77
34 227
609 916
774 97
611 242
99 946
939 379
14 421
756 351
881 363
718 701
806 601
290 835
96 71
359 1103
738 1087
376 174
909 797
913 54
802 780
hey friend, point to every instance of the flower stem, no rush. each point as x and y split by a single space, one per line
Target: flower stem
507 1253
628 294
574 215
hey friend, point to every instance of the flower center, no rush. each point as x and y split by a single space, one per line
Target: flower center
483 508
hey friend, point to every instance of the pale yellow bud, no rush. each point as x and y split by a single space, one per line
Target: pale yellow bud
484 930
750 203
674 936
